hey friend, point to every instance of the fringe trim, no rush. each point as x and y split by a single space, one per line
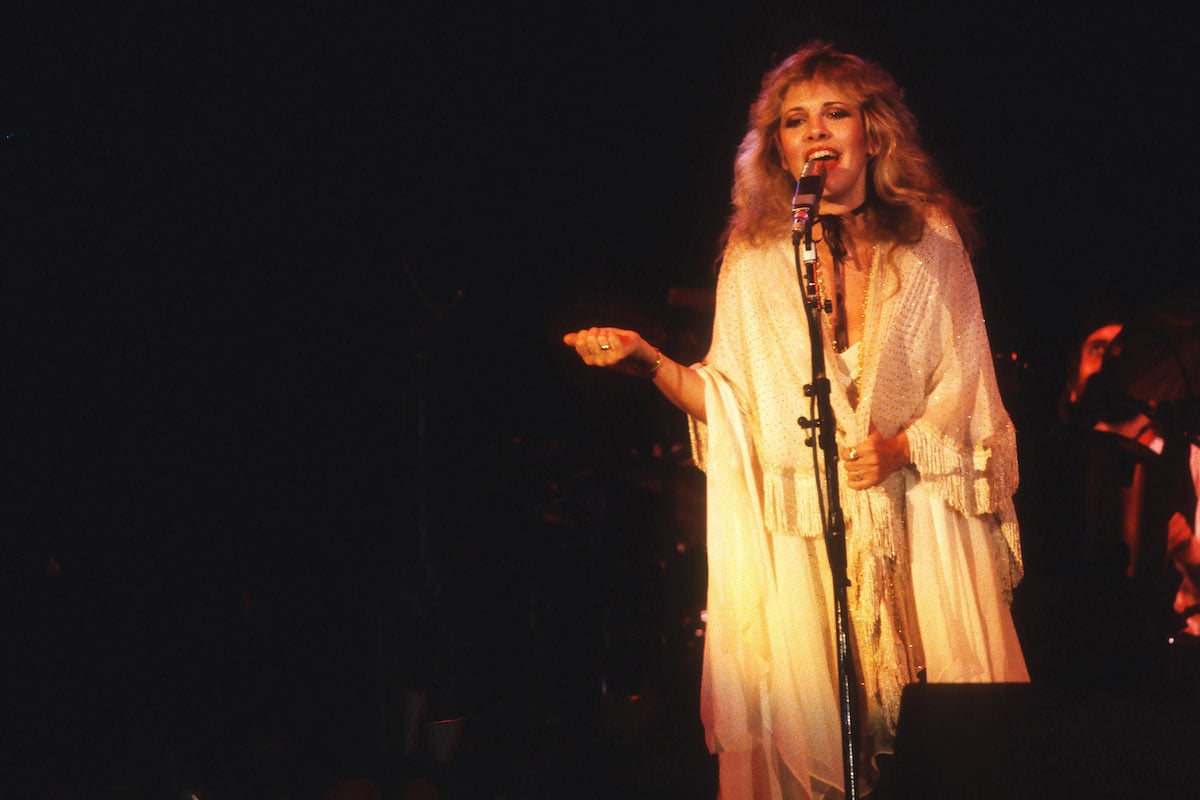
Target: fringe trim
1012 562
877 565
791 505
877 562
975 480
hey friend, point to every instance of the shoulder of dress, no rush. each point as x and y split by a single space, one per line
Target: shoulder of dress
743 249
940 251
746 259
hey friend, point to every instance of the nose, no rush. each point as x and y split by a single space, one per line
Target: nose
816 128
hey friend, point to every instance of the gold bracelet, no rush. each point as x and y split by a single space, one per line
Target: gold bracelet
658 359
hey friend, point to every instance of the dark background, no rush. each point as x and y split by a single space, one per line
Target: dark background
289 428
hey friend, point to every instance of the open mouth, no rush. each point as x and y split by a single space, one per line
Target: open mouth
824 156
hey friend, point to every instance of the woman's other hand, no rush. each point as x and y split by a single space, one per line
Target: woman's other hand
871 461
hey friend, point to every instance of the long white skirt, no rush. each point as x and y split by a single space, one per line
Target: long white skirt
963 614
966 631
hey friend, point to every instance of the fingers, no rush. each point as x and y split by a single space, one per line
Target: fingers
861 465
863 477
855 473
872 461
598 346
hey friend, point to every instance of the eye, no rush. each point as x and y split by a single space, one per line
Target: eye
838 113
793 122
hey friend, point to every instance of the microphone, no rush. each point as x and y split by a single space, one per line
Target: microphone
807 197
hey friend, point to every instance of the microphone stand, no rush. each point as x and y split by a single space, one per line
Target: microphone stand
835 524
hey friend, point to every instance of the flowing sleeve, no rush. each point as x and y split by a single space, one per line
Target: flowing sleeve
736 650
736 653
726 354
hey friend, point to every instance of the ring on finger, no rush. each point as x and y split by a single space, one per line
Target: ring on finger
853 455
605 346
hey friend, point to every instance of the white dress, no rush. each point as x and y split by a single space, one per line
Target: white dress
933 551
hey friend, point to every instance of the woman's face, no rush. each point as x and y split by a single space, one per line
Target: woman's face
818 120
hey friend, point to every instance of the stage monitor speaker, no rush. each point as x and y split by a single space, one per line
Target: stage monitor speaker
967 740
1009 741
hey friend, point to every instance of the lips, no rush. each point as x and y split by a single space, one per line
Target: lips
825 154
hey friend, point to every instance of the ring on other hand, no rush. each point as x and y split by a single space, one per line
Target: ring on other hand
853 455
605 347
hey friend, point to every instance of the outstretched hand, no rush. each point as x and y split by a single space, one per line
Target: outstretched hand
622 350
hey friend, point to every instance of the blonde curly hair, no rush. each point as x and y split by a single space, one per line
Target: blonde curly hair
904 186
